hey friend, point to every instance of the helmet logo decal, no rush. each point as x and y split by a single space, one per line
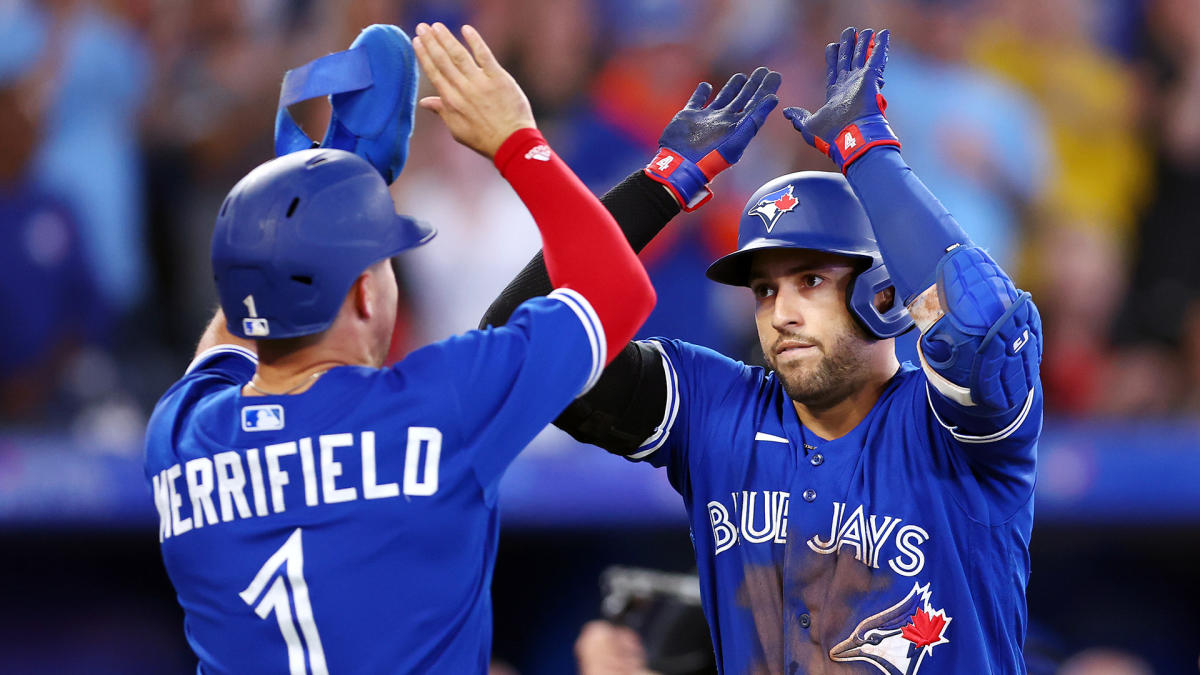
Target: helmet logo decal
774 205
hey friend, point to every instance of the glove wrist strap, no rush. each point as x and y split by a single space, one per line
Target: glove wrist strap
861 135
683 177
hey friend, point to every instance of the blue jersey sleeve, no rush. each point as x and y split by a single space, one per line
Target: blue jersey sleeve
230 364
215 369
702 389
509 382
1001 449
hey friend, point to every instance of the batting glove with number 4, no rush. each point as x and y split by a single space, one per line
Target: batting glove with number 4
704 140
851 121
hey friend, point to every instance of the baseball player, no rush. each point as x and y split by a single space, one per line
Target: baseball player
319 513
850 514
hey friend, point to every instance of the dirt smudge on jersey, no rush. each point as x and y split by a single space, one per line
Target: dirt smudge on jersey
829 588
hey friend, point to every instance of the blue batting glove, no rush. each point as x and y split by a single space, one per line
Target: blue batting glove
704 140
851 121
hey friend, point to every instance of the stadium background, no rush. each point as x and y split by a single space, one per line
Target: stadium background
1064 134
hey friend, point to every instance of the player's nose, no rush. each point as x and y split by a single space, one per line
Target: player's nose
788 310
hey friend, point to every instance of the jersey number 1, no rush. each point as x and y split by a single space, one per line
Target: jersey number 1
274 598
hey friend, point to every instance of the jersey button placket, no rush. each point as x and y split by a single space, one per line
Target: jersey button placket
805 621
809 495
817 459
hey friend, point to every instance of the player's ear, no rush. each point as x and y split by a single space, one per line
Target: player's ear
362 297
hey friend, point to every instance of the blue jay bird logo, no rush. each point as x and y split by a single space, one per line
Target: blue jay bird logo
897 639
774 205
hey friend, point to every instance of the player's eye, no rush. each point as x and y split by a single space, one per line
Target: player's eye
811 280
761 291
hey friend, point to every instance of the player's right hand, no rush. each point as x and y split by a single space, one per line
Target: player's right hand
479 101
704 140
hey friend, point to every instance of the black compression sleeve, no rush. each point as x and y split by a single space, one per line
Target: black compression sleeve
624 407
640 206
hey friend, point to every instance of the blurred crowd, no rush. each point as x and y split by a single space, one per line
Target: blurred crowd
1061 133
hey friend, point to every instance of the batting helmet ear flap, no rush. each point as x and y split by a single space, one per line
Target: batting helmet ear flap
884 324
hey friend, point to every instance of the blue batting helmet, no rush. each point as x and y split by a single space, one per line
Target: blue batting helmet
815 210
294 234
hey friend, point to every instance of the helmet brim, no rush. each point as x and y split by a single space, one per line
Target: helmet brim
412 233
734 269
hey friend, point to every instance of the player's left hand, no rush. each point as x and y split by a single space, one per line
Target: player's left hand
703 140
479 101
851 121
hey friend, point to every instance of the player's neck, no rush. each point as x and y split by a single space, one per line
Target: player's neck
294 370
840 417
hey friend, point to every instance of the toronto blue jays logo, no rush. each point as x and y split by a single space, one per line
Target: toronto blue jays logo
897 639
774 205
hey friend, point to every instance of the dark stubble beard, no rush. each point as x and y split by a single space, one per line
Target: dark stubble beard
839 373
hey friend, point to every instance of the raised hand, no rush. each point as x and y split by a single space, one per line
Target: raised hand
704 140
479 101
851 121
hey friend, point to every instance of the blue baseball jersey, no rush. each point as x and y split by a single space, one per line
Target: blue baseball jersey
352 528
901 547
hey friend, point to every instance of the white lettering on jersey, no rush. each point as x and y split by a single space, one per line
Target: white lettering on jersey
256 482
760 516
276 476
911 560
199 474
162 502
226 475
231 485
178 525
430 440
867 535
331 469
309 471
371 489
724 533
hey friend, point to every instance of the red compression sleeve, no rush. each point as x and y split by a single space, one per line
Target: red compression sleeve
582 244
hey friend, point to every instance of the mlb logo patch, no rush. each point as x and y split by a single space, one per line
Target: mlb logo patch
774 205
255 327
262 418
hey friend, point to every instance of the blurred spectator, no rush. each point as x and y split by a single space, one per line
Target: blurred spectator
657 52
485 235
49 306
978 143
1105 661
1087 212
218 69
1088 100
605 648
93 76
1157 328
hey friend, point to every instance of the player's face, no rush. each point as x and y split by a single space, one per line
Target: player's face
807 334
